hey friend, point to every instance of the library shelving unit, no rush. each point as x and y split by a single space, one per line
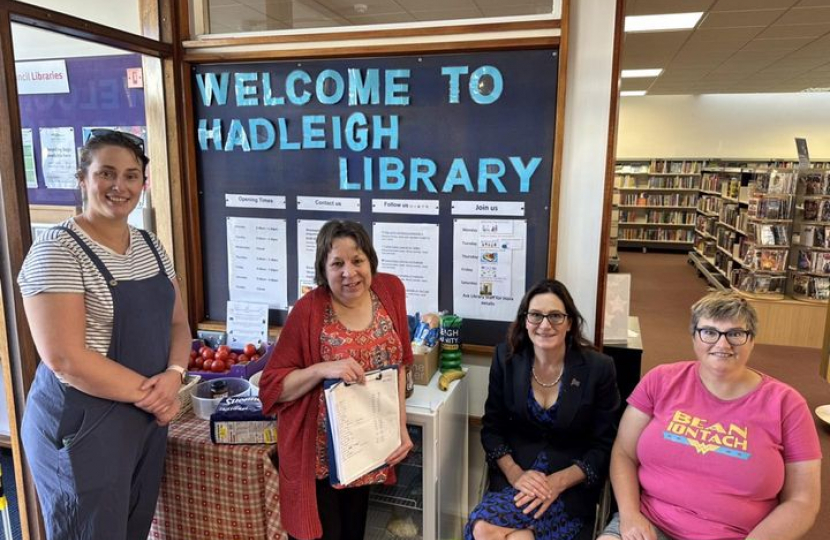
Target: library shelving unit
720 225
768 230
810 259
657 203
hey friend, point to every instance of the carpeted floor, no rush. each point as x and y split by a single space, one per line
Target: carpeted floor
663 288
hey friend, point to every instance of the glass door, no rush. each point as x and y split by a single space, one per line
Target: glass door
397 511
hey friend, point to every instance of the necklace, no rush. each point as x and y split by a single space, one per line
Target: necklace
547 385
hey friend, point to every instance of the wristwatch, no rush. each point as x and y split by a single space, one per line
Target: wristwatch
180 370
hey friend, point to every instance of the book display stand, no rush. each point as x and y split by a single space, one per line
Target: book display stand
809 264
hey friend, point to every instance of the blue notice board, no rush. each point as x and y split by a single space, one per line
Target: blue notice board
446 127
98 96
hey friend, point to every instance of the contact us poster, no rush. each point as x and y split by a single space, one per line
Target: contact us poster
489 267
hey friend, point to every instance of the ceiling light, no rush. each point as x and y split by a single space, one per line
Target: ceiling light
657 23
632 93
641 73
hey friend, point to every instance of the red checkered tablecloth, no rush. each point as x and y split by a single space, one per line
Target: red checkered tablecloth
216 491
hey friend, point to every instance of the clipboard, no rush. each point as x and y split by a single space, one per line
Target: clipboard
334 451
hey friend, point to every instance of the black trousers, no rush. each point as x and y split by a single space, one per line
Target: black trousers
342 511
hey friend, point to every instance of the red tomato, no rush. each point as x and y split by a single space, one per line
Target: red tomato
202 349
233 356
225 348
198 362
217 366
208 365
221 355
207 354
193 354
241 359
191 364
249 350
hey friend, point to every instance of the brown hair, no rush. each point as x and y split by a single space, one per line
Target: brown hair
106 137
333 230
517 338
724 306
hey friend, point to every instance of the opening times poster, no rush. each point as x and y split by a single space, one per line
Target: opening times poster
257 265
489 266
410 251
307 230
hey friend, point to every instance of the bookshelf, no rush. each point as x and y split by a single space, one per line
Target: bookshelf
810 260
720 234
656 202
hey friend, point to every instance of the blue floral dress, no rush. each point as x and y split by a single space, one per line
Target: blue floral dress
498 508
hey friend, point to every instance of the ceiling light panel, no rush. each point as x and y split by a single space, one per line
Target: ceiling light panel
632 93
641 73
662 23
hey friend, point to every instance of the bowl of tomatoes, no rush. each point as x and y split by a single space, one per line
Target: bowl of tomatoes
223 361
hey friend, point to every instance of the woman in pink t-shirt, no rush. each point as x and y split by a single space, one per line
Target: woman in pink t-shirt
714 450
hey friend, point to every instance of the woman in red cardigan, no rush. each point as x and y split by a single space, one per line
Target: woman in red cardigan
353 322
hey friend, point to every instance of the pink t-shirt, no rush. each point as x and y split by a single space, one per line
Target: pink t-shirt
712 469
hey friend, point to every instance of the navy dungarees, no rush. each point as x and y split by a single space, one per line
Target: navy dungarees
97 464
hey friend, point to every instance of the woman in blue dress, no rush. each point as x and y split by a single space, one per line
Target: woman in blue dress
548 426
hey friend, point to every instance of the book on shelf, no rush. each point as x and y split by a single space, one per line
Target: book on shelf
811 209
771 208
820 288
812 183
766 260
801 284
752 208
825 211
825 184
804 261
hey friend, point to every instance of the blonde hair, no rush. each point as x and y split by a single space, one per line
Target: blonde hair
725 306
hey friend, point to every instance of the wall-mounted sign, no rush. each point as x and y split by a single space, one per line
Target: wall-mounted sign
46 77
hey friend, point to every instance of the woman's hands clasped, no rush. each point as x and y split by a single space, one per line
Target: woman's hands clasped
536 492
349 370
636 527
162 398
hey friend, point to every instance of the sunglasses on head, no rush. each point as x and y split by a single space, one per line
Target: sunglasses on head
102 132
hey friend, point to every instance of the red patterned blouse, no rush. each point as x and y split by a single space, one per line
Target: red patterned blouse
374 347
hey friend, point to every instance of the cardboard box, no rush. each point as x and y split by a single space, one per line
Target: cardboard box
424 366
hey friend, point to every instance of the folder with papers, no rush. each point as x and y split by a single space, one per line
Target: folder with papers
364 424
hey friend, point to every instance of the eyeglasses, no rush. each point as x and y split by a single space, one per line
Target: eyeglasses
735 336
103 132
555 318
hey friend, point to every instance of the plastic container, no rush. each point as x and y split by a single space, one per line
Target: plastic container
255 383
201 396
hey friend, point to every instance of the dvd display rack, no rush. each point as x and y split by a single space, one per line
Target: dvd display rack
810 260
765 249
657 203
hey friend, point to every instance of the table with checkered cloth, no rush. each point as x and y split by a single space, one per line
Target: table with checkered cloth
216 491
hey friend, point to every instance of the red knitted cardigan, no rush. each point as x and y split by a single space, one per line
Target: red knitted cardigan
299 347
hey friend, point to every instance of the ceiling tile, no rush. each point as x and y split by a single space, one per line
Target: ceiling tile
749 5
635 84
447 14
430 5
653 7
717 35
788 45
737 19
777 31
346 8
810 15
382 18
513 10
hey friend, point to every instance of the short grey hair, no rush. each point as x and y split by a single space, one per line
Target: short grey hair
725 306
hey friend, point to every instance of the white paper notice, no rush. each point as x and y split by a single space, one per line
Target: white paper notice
59 162
410 251
307 230
257 267
489 262
247 323
29 158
